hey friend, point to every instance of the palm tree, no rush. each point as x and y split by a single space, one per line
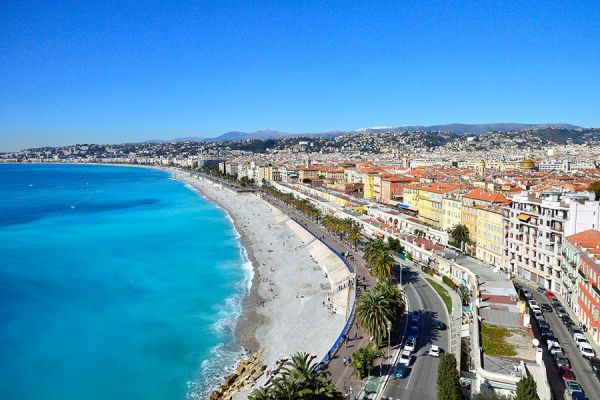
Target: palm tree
380 264
261 393
300 378
460 234
372 247
364 358
382 304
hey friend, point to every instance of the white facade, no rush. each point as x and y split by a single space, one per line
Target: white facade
584 213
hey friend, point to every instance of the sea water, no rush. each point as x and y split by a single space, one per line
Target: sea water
115 283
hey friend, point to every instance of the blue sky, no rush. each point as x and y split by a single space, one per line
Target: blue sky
106 72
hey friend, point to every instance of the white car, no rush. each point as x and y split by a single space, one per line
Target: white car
405 357
532 303
579 338
586 350
411 344
434 351
552 343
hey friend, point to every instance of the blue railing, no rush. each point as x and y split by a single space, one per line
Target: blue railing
331 352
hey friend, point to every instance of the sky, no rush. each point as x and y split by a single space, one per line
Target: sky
113 72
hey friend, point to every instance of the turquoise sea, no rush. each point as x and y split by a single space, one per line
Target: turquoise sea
115 283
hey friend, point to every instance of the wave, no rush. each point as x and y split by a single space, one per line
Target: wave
224 356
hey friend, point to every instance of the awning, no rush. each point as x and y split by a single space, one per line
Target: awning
401 205
524 217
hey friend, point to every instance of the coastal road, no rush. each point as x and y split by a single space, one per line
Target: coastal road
420 382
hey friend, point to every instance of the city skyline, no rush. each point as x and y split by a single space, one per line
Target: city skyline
94 74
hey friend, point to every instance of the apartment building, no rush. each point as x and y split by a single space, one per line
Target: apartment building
581 252
489 235
535 225
472 202
452 211
392 188
430 203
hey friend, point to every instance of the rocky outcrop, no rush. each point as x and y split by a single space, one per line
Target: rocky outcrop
246 373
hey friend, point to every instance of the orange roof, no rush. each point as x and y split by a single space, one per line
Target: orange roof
440 188
486 195
589 238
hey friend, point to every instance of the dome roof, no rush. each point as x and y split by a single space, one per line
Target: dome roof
527 164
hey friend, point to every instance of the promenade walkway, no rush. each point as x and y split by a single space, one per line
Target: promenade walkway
341 373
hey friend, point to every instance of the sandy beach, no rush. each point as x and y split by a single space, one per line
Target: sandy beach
290 306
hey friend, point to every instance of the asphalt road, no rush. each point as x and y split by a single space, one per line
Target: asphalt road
420 381
583 372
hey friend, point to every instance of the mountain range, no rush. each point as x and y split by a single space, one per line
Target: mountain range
451 128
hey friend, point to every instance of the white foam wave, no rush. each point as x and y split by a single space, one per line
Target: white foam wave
223 357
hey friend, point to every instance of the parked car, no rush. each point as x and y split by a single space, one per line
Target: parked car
400 370
532 303
594 364
411 344
557 353
546 308
437 324
562 361
586 350
435 350
567 321
414 327
572 386
579 338
576 396
574 330
527 294
566 374
405 357
415 315
542 290
552 344
546 332
560 312
555 302
543 323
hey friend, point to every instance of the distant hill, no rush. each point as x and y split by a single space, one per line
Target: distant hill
475 128
458 128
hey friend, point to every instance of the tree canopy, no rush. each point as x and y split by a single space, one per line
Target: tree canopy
527 389
299 378
377 307
448 384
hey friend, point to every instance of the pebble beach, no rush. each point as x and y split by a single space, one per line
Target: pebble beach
290 306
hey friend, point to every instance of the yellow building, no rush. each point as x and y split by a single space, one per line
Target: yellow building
451 211
308 174
489 236
368 186
471 202
411 197
478 166
430 203
263 173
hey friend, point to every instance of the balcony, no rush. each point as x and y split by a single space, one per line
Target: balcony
596 290
582 275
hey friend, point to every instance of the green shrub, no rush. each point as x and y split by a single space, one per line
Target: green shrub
449 282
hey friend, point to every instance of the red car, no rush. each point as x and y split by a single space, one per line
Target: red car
549 294
566 374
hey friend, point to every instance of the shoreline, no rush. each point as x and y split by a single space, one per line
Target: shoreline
279 315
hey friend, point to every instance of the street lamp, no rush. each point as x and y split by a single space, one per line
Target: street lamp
389 329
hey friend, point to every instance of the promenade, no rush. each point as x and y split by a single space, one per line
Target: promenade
341 374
